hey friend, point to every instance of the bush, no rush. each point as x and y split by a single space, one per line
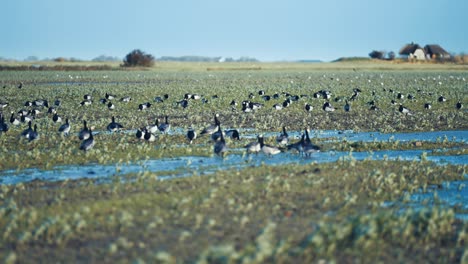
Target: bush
138 58
377 54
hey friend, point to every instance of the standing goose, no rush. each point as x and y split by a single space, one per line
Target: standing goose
308 147
85 132
88 143
213 128
253 147
13 120
65 128
347 107
191 135
3 126
220 145
267 149
114 126
283 138
459 105
165 127
27 131
33 135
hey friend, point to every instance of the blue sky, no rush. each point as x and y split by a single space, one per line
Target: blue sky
268 30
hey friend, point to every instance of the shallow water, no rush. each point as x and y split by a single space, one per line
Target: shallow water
192 165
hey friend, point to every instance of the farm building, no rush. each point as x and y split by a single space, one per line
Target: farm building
432 51
435 51
412 51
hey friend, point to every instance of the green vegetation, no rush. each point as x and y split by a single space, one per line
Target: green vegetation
288 214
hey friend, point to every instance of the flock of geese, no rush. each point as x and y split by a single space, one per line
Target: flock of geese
304 146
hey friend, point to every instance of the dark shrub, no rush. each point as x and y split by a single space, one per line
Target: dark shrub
138 58
377 54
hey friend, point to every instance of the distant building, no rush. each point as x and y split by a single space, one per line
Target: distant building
435 51
414 51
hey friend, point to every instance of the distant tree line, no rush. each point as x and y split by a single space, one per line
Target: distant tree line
382 55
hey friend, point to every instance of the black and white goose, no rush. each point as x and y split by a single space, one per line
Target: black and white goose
347 107
88 143
144 106
154 127
52 110
126 99
40 103
191 135
308 148
404 110
253 147
278 106
27 131
3 126
26 117
308 107
299 146
65 128
219 147
149 136
114 126
212 128
233 134
283 137
87 97
267 149
3 104
459 105
56 118
427 106
110 106
13 120
86 102
165 127
33 135
327 107
110 96
442 99
140 133
85 132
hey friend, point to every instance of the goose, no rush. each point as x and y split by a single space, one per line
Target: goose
220 146
40 102
114 126
158 99
149 136
267 149
442 99
27 131
347 107
277 106
283 138
85 132
26 118
65 128
57 102
308 107
308 148
253 147
56 118
299 146
153 128
3 104
51 110
88 143
110 106
33 135
110 96
404 110
13 120
86 102
191 135
217 135
261 92
3 126
327 107
232 133
126 99
459 105
233 103
195 97
144 106
276 96
183 103
427 106
286 103
28 103
140 133
103 101
212 128
165 127
87 97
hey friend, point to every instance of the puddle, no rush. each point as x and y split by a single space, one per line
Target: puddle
192 165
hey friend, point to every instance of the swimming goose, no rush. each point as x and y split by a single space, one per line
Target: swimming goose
307 147
85 132
191 135
283 138
299 146
114 126
65 128
267 149
88 143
